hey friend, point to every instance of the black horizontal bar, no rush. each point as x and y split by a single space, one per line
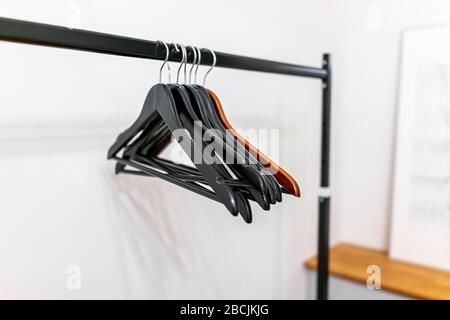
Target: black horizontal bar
62 37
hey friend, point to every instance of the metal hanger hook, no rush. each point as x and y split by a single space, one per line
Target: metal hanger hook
183 47
165 61
193 63
181 62
212 66
199 61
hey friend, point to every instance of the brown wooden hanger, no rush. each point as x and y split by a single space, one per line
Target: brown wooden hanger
283 178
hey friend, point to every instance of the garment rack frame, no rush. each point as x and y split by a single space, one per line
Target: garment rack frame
62 37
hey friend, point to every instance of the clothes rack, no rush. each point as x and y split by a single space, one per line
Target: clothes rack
61 37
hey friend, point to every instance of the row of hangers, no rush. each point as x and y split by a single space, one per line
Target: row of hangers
175 111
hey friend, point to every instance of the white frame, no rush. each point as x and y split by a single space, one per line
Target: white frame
417 244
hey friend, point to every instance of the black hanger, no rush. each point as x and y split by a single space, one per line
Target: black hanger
156 135
132 151
209 112
160 103
175 169
242 172
146 137
272 181
183 103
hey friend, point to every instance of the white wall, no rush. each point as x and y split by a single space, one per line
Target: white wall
54 94
365 113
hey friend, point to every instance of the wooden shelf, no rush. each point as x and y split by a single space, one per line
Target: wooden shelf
350 262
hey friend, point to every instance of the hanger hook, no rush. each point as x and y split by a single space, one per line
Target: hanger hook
199 61
212 66
185 62
181 62
165 61
193 63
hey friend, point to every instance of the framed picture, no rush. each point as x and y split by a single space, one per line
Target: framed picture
420 229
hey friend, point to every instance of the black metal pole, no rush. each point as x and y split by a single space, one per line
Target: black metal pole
324 197
62 37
